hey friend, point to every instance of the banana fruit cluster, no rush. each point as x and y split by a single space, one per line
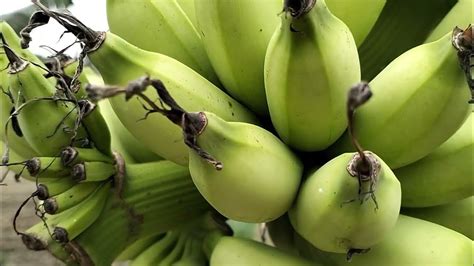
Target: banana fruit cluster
193 119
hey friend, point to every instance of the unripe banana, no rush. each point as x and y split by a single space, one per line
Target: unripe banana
112 55
193 254
409 117
50 187
74 155
137 247
445 175
162 27
460 14
360 16
156 252
228 250
92 171
70 197
457 215
46 122
325 215
252 158
411 242
236 35
177 251
188 7
49 167
66 225
310 64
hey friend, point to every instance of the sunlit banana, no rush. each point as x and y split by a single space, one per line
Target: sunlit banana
226 250
457 215
162 27
409 117
360 16
236 35
310 64
445 175
66 225
70 197
411 242
460 14
119 62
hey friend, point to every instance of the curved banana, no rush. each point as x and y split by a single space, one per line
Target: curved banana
360 16
457 215
92 171
226 250
162 27
251 158
177 251
70 197
157 251
443 176
74 155
236 35
50 187
49 167
460 14
409 117
411 242
193 254
188 7
137 247
310 64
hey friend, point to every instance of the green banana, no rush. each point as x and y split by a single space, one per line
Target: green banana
360 16
163 27
411 242
444 175
74 155
177 251
402 25
50 167
137 247
157 197
410 116
457 215
156 252
50 187
310 64
226 28
92 171
192 254
45 121
114 55
66 225
460 14
70 197
226 250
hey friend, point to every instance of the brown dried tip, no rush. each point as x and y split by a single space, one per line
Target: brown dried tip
462 39
298 8
42 192
33 166
79 172
68 155
86 107
50 206
60 234
33 243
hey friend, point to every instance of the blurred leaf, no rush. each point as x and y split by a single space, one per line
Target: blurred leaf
19 18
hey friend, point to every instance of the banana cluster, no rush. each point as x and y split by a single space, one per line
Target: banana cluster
200 115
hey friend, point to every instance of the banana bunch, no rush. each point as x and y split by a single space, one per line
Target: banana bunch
242 132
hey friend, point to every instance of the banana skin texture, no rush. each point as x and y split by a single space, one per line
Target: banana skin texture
120 62
412 112
445 175
324 217
311 63
252 159
162 27
236 35
412 242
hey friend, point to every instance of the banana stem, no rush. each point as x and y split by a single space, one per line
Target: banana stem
358 95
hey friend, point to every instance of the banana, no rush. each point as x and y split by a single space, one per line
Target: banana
460 14
50 187
310 64
114 55
164 28
16 141
360 16
411 242
70 197
410 116
49 167
443 176
157 197
92 171
236 35
226 250
156 252
177 251
192 254
66 225
74 155
137 247
402 25
46 121
457 215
